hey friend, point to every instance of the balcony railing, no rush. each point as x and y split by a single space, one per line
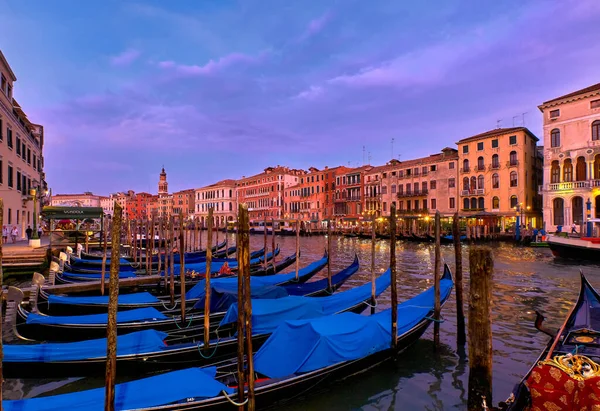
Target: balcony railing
494 166
512 163
571 185
480 167
465 170
413 211
415 193
473 192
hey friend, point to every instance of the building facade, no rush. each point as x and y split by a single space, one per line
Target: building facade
161 205
21 157
222 196
183 202
348 200
137 206
87 199
571 158
264 192
498 176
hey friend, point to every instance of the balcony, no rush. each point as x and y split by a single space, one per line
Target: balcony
473 192
571 185
480 167
495 166
416 193
414 211
465 170
512 163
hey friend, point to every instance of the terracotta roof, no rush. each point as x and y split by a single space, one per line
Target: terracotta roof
498 132
595 87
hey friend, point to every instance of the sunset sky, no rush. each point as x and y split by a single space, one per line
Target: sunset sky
221 89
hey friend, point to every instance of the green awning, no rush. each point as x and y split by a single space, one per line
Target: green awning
80 213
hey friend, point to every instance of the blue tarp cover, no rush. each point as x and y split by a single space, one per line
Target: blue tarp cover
308 345
263 281
176 386
83 261
135 343
135 298
314 286
223 295
139 314
215 266
97 276
267 315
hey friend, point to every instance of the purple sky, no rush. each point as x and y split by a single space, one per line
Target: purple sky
221 89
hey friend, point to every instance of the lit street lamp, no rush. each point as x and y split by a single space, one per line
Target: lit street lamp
33 193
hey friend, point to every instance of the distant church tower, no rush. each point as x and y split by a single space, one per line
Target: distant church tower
163 186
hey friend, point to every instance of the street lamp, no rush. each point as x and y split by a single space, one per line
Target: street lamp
520 210
33 193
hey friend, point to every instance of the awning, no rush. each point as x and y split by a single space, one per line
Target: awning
80 213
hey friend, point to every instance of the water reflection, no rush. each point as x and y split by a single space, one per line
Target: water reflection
525 280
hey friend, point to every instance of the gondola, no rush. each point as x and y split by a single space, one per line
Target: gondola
41 327
566 375
151 350
317 352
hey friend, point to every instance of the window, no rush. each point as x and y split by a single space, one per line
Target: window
9 139
28 156
400 188
568 171
0 129
432 185
424 204
433 167
465 165
495 180
408 203
595 104
555 172
451 165
384 206
495 203
512 140
19 146
555 138
481 203
383 190
451 183
10 176
424 186
416 187
23 149
596 130
554 113
408 188
480 163
452 202
465 149
513 158
480 146
495 161
480 183
466 203
513 201
466 183
473 183
513 179
495 143
433 204
1 172
474 203
424 170
393 188
18 180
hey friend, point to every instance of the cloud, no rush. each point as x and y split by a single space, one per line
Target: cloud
213 66
311 93
125 58
316 25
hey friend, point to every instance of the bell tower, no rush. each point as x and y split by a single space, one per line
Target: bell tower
163 186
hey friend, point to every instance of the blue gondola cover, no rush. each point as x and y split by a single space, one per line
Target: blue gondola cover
222 296
177 386
139 314
135 298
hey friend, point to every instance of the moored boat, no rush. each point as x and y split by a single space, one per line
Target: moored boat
585 248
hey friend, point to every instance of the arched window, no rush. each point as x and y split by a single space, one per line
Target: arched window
567 171
481 203
513 158
513 201
480 182
495 203
495 180
555 138
558 206
465 165
577 207
513 179
466 183
230 193
480 163
495 161
473 183
596 130
597 167
466 203
555 172
473 203
230 207
580 169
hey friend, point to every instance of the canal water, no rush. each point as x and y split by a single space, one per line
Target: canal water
525 280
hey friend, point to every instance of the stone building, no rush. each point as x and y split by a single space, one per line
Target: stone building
222 196
22 174
571 157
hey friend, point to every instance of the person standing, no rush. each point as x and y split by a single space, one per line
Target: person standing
40 231
574 229
29 232
4 234
14 233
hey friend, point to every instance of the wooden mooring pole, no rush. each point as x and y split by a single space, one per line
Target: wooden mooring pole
244 268
273 239
113 295
207 290
103 256
373 264
241 227
394 286
182 268
1 305
265 235
172 257
298 248
481 267
461 337
329 285
147 257
436 281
